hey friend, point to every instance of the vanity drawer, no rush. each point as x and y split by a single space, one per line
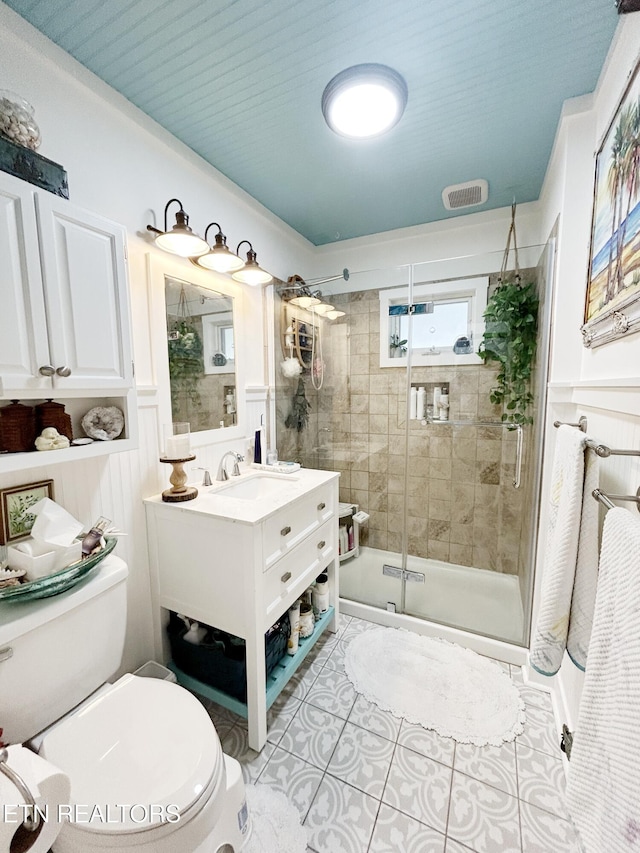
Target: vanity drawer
286 581
291 525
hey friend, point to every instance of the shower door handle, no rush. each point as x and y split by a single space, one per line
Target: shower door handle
519 443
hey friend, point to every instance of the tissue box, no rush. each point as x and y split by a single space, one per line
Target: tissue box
39 563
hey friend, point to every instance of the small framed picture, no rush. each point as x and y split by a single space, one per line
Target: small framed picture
16 520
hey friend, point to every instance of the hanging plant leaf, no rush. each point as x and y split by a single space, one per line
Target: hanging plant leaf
511 327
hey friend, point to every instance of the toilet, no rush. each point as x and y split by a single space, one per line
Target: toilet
146 769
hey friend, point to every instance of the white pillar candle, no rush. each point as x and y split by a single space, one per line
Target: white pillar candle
177 447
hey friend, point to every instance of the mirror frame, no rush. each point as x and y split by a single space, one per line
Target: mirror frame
182 270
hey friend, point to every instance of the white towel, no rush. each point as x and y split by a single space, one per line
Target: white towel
571 557
603 790
585 583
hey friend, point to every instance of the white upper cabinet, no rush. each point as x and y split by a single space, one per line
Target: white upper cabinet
23 329
64 319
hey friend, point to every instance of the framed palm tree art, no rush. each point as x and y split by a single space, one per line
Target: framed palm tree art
612 306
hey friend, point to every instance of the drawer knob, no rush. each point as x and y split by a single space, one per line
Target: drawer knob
63 371
322 505
6 653
285 531
46 370
321 543
286 577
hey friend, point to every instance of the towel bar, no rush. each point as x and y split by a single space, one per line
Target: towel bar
600 449
581 425
502 425
607 500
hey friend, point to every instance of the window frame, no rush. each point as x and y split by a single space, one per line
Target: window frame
473 290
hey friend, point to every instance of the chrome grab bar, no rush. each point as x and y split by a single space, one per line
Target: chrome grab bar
510 426
30 823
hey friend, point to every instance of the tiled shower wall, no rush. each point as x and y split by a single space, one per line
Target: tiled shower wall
461 504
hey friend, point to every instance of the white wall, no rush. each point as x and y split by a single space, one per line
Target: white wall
603 383
123 166
442 247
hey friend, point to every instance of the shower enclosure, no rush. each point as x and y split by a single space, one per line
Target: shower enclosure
450 490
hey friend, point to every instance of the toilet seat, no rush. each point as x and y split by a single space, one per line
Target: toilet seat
144 743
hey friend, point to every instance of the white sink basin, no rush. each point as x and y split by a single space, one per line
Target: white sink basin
253 488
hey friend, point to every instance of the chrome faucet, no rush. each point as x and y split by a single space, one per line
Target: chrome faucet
222 469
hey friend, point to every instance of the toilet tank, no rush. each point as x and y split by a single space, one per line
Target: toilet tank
54 652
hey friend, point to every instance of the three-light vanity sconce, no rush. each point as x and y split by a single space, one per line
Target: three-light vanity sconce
182 241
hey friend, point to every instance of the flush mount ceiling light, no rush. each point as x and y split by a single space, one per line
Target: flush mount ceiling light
219 258
180 240
364 100
251 273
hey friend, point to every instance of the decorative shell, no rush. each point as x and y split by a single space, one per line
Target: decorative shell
103 423
51 440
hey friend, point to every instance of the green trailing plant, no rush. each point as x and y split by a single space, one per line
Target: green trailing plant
510 337
298 417
185 364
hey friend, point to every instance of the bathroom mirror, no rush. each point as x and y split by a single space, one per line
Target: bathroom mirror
201 348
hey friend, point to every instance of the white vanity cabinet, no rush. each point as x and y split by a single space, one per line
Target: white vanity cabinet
238 565
64 323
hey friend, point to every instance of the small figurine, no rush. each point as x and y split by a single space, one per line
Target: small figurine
50 439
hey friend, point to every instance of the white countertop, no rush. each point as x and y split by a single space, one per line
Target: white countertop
213 500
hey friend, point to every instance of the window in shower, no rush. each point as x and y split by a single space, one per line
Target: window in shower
447 323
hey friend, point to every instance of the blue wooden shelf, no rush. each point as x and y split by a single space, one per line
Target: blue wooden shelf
276 681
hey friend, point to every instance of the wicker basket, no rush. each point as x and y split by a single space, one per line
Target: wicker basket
17 428
52 414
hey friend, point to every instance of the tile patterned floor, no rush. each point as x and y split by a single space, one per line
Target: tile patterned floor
365 781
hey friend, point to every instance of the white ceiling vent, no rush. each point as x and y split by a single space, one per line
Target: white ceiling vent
465 195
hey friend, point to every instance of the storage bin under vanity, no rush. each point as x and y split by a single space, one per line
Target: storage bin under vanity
220 659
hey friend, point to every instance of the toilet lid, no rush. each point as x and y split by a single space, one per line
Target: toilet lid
141 752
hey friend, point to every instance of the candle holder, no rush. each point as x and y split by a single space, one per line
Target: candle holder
177 451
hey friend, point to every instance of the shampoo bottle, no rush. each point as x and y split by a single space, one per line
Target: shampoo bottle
421 401
413 403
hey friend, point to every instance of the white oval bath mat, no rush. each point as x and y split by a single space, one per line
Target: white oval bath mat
275 823
437 685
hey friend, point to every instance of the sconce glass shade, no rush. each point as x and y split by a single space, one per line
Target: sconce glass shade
219 258
333 315
251 273
304 301
364 100
323 308
180 240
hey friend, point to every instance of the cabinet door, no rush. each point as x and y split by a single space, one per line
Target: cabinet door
23 334
86 297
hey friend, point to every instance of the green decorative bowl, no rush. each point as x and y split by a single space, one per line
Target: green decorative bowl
59 581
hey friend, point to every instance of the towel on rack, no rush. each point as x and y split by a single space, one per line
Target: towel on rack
603 787
571 557
585 584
